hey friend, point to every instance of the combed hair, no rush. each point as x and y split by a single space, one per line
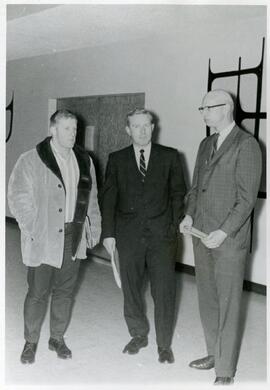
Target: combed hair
59 114
139 111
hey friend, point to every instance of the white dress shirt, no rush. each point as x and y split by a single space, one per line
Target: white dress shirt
147 151
70 173
224 133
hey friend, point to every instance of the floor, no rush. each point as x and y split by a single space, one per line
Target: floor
97 335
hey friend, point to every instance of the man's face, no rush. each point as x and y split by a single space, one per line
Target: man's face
213 117
140 129
64 132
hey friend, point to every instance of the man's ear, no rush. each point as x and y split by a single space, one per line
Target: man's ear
128 130
52 130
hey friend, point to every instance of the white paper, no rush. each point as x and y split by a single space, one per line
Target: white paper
115 270
196 233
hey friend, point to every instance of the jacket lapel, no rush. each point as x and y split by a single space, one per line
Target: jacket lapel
225 146
132 164
45 153
153 161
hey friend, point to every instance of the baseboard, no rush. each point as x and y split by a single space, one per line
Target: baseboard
100 252
11 220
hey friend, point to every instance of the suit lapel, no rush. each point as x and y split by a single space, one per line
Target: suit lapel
225 146
132 163
153 161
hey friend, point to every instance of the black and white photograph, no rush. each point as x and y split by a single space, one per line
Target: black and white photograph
134 189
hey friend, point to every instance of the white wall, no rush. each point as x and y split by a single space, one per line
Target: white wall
172 71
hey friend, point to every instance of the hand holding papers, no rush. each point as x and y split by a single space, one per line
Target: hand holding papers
187 228
110 245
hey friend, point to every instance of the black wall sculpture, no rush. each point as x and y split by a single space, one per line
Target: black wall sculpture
10 108
240 114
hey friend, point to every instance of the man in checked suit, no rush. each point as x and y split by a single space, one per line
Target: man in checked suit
142 204
224 190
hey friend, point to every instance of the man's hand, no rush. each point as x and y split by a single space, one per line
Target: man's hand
186 224
109 244
214 239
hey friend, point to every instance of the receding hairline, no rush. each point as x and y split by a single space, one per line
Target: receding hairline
220 94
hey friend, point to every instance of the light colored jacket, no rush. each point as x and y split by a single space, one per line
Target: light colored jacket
36 197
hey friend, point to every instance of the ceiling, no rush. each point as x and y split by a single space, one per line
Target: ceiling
34 30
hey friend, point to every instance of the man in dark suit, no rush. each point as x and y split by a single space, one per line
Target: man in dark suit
225 186
142 204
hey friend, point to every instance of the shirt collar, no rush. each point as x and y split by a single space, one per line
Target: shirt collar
146 148
224 132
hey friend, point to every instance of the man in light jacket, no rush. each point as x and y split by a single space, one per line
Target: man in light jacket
52 193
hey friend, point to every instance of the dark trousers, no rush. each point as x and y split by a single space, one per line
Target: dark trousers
61 282
219 277
159 258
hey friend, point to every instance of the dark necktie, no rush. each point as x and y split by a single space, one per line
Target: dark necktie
214 144
142 163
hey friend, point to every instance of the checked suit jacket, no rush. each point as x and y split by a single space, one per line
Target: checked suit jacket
225 188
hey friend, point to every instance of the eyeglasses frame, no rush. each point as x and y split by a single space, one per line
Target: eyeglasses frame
201 109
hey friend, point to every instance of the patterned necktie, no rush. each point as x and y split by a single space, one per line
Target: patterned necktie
214 144
142 163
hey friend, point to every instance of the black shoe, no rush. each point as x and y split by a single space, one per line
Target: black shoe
205 363
135 344
63 352
223 380
165 355
28 353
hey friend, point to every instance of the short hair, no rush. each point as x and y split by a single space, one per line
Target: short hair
60 114
139 111
223 95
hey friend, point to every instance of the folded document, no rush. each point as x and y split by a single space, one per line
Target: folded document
196 233
115 267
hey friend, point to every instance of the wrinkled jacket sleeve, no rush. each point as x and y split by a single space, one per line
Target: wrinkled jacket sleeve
247 177
192 194
21 199
93 208
109 197
177 189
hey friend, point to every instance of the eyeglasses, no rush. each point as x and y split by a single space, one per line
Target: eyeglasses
208 108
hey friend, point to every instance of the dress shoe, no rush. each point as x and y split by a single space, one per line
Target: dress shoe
223 380
59 346
135 344
205 363
165 355
28 353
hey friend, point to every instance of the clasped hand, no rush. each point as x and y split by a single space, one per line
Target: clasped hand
214 239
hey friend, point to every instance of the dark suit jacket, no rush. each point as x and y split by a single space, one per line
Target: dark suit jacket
225 188
132 206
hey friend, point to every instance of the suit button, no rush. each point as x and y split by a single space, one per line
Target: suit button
60 210
204 190
60 230
59 186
